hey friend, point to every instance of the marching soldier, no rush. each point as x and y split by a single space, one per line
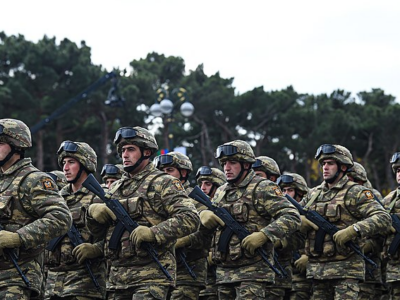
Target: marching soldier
31 214
111 173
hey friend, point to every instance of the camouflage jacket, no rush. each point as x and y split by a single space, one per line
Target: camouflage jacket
343 205
157 200
258 205
31 206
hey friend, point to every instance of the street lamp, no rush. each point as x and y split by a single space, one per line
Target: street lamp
164 108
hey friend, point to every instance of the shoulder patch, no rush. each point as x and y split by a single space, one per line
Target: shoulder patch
277 191
368 194
177 183
48 184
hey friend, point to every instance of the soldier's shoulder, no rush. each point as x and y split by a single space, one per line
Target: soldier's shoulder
360 192
38 178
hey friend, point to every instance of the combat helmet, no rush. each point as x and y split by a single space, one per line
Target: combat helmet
111 171
236 150
137 136
293 180
59 178
213 175
395 161
82 152
267 165
358 172
16 133
339 153
173 159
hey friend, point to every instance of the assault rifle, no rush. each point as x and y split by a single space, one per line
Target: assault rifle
13 257
325 227
76 239
231 227
124 220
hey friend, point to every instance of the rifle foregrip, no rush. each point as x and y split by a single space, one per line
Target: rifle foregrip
116 236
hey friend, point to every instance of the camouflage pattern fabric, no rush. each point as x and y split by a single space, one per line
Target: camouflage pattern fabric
146 292
258 205
15 293
242 291
32 207
66 277
344 289
157 200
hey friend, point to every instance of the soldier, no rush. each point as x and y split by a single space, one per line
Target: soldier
111 173
209 179
373 287
266 167
336 270
253 202
67 274
59 178
159 204
31 213
296 187
392 255
196 245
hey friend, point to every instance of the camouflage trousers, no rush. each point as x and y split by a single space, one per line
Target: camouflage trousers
241 291
72 298
146 292
186 292
394 290
336 289
274 293
301 290
370 291
15 293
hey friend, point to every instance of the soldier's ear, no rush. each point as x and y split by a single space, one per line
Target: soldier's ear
343 168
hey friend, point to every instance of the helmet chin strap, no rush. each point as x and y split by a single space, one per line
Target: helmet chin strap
9 155
242 170
130 169
332 180
77 175
182 178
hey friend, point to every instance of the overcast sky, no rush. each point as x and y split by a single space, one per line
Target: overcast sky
315 46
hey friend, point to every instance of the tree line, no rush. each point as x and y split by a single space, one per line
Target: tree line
37 78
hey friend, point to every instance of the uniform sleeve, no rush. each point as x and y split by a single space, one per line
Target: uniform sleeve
53 218
374 219
182 217
270 201
201 239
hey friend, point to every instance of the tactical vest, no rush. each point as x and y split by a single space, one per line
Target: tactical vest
15 213
240 203
333 208
142 209
62 256
393 207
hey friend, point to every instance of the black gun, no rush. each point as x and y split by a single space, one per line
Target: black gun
325 227
394 246
231 226
124 220
180 253
13 257
76 239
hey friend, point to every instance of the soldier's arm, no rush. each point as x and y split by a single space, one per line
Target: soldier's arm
53 216
374 218
270 201
182 214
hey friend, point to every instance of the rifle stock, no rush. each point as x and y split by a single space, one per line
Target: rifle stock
231 226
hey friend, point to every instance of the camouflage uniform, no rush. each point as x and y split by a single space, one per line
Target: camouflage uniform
253 202
337 271
217 178
267 165
196 244
66 277
110 171
157 201
392 205
300 286
30 206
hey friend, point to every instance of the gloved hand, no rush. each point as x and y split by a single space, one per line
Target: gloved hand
86 251
392 230
254 241
343 236
301 263
9 239
367 247
307 225
142 234
210 220
101 213
182 242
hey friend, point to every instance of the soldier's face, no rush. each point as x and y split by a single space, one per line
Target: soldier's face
70 167
289 191
329 168
398 175
206 187
109 181
130 155
232 169
172 171
261 174
4 150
